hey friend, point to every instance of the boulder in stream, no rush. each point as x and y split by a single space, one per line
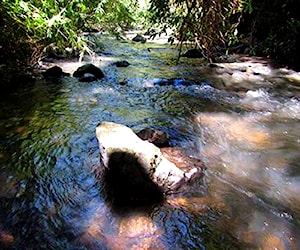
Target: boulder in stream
133 169
54 72
121 64
139 38
89 69
193 53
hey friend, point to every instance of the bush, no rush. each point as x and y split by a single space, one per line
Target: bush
28 28
274 30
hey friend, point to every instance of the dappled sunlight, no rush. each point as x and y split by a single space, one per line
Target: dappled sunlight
139 232
199 204
136 226
267 233
250 73
244 153
99 232
6 239
243 131
124 229
256 227
244 146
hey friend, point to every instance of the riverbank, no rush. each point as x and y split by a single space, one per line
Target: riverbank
236 73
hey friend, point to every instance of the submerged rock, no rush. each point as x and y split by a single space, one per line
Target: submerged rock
187 163
134 169
90 69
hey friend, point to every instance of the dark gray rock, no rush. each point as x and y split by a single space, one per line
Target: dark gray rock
88 69
193 53
121 63
155 136
54 72
139 38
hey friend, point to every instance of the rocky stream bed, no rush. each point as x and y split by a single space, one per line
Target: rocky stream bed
239 116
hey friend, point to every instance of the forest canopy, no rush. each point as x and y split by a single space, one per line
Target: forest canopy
30 27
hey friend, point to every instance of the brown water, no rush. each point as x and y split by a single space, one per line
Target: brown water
249 142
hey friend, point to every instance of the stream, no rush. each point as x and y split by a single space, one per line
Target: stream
240 119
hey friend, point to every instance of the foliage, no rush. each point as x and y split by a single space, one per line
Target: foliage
14 42
28 27
142 15
274 30
207 23
115 16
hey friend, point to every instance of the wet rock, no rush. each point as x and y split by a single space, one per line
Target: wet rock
54 72
193 53
88 77
139 38
134 169
122 64
88 69
183 161
123 83
130 81
155 136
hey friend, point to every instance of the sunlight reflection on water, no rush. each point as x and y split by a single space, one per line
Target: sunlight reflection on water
247 153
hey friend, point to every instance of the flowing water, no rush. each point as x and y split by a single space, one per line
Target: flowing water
249 142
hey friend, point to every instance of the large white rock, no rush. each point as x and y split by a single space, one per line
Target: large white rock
120 146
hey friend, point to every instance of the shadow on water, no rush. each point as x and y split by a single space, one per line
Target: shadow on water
126 182
146 218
